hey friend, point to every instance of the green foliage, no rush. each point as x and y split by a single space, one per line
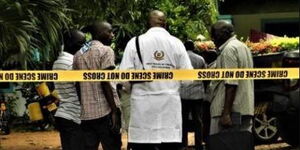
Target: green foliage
186 18
286 43
189 18
11 104
27 26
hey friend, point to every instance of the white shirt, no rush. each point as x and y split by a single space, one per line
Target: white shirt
155 106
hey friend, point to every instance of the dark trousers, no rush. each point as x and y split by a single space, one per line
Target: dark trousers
206 120
99 131
71 135
195 107
161 146
236 137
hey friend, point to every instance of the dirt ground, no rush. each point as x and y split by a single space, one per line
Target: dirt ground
49 140
38 140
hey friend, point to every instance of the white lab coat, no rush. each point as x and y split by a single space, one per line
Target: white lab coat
156 106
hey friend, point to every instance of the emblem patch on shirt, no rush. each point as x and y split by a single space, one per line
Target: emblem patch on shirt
159 55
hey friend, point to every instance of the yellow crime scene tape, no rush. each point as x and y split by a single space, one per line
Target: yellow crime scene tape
148 75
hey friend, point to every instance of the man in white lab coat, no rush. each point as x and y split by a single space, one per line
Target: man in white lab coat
155 121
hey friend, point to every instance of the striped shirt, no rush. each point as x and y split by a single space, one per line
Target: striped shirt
69 106
233 54
195 90
94 56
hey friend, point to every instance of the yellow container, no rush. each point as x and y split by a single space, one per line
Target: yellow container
51 107
43 89
35 112
55 94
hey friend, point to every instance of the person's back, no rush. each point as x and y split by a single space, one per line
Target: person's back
192 96
67 116
159 50
243 53
69 106
155 119
99 100
93 99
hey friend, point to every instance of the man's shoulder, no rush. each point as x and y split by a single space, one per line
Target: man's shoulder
63 60
175 39
131 46
78 53
164 36
64 56
63 63
235 44
107 48
132 40
98 45
198 56
95 47
195 56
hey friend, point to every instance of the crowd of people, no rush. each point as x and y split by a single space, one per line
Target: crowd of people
90 112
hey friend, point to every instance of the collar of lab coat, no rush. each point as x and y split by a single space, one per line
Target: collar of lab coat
158 29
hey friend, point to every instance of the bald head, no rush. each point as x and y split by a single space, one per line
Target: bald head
157 19
221 31
223 26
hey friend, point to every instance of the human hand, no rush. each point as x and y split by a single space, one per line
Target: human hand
116 121
225 120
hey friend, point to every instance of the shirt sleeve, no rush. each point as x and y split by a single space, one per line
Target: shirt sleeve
204 64
184 63
229 59
75 63
201 63
127 62
108 59
184 59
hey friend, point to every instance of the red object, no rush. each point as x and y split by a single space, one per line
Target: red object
256 36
